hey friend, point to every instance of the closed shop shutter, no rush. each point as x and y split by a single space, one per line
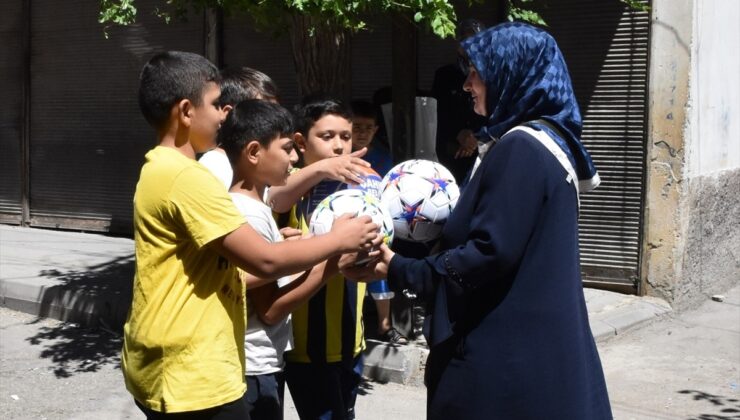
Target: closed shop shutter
87 136
434 52
606 47
372 59
271 54
264 51
11 107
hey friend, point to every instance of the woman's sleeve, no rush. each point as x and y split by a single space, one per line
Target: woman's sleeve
508 204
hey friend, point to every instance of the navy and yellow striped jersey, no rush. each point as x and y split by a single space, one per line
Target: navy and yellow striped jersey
328 328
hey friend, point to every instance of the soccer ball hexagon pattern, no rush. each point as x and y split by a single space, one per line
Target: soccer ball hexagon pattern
355 202
419 195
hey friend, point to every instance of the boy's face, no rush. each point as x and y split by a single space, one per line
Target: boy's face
276 161
363 131
330 136
205 119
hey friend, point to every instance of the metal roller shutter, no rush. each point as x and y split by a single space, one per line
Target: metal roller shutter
87 137
372 66
263 51
371 57
11 107
606 47
434 52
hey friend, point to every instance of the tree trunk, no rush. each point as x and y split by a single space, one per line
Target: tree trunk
322 60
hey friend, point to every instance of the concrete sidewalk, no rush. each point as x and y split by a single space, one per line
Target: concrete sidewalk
86 279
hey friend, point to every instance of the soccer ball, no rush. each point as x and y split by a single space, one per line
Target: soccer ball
370 183
353 201
424 168
419 195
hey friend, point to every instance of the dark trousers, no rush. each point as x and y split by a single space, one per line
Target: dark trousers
235 410
265 396
325 391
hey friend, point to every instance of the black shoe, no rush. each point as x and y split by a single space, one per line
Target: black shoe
394 337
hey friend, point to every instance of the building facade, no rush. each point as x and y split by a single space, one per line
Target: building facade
655 88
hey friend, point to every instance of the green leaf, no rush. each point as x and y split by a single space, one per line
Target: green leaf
639 5
120 12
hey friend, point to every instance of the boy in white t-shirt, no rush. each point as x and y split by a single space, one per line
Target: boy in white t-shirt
237 84
257 138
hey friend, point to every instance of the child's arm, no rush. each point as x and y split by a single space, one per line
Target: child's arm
250 251
341 168
274 304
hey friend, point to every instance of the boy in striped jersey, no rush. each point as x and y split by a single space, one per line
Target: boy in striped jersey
323 371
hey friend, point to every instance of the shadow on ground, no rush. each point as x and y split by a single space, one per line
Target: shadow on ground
719 407
366 387
75 349
99 295
93 304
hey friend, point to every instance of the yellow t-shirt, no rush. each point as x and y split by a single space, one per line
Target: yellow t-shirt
183 346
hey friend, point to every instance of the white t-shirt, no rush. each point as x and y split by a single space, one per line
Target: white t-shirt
264 345
218 163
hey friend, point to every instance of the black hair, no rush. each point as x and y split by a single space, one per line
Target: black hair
468 27
242 83
169 77
315 106
364 109
251 120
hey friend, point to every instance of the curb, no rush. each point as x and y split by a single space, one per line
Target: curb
401 364
87 279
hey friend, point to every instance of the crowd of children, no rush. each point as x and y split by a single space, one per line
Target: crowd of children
228 305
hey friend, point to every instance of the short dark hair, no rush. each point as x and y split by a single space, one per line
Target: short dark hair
242 83
364 109
251 120
170 77
314 107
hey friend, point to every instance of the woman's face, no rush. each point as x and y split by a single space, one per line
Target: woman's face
477 89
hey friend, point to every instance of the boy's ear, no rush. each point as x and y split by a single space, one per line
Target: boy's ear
226 108
252 152
185 112
300 142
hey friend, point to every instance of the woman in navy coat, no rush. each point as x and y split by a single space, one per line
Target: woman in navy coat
507 323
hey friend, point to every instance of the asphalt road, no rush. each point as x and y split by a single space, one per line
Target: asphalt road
681 366
52 370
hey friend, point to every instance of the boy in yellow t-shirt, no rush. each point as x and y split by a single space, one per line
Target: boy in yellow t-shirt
183 339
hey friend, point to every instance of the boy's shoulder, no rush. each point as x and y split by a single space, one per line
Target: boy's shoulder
167 159
258 215
169 178
166 168
249 205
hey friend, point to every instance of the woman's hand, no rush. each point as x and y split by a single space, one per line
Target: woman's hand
468 144
345 168
375 269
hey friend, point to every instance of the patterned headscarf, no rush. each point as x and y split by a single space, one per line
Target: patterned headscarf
527 82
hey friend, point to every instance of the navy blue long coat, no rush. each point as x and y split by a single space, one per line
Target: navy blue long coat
507 325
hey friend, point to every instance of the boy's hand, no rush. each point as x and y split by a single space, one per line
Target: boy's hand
355 233
290 234
345 168
375 269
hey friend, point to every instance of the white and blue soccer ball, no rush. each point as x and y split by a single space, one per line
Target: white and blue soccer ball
353 201
419 195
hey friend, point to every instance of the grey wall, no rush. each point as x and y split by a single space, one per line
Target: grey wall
691 245
712 254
